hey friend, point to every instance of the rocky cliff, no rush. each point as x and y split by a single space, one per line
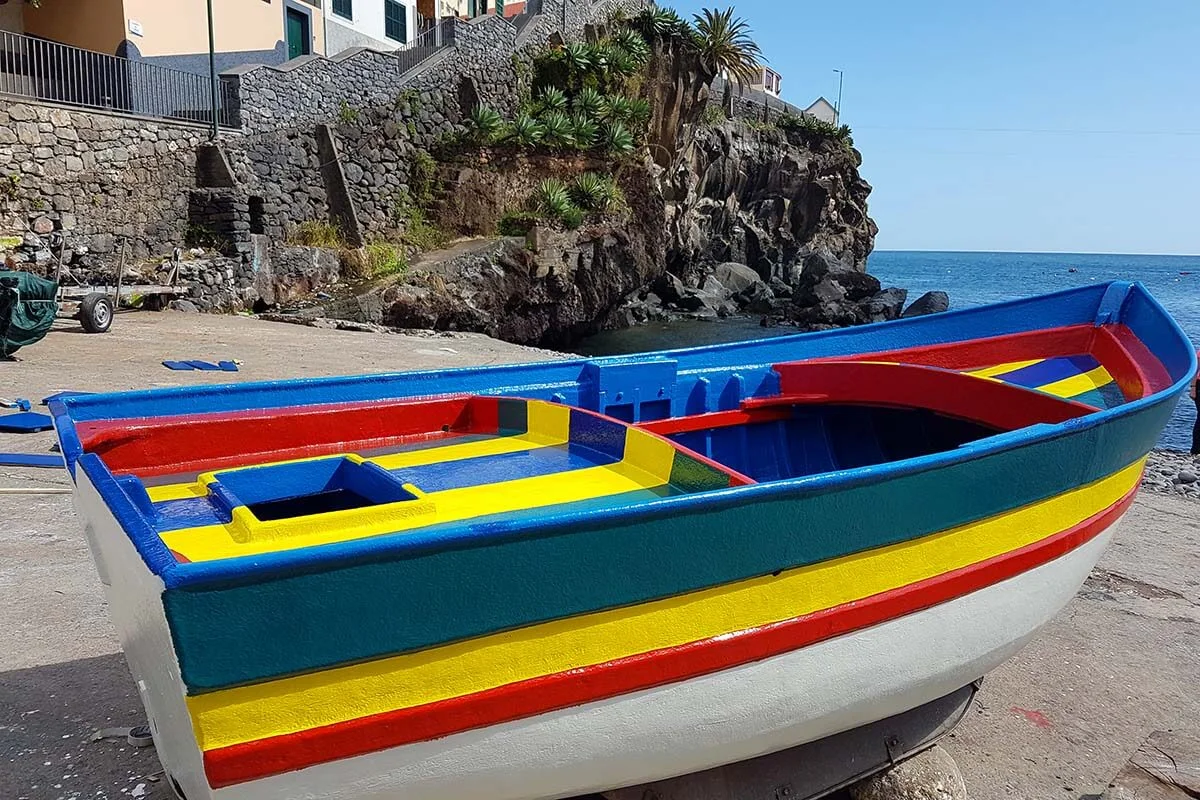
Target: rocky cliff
766 198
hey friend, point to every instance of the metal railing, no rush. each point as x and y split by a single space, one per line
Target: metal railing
426 46
48 71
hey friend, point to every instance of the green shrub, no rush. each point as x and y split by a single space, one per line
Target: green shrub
385 258
616 139
485 124
517 223
811 126
346 114
317 233
571 218
713 114
422 177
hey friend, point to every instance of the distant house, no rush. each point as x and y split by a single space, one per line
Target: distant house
767 80
378 24
175 34
823 110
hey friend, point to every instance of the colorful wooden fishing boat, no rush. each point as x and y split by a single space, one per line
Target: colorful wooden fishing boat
543 580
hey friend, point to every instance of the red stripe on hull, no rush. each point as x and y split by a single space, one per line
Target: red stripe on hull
266 757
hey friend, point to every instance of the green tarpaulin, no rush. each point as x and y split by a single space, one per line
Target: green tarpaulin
27 310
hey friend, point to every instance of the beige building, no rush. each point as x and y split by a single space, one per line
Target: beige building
174 33
768 80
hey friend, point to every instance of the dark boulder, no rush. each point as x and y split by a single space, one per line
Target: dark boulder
737 278
928 303
886 305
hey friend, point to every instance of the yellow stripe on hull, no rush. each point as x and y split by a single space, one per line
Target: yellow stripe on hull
244 714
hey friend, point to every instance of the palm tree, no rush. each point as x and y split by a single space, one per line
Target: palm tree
726 48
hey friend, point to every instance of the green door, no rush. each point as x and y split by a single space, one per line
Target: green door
298 37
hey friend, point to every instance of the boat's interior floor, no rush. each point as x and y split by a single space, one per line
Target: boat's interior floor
563 458
1077 377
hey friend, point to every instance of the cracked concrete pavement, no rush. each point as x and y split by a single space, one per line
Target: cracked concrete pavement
1058 721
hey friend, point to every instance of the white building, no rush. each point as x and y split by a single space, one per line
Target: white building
378 24
823 110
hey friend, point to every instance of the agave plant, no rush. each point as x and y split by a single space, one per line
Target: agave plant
632 43
616 139
661 23
589 191
552 198
558 130
485 124
601 55
621 63
590 102
578 57
725 46
586 131
526 131
639 112
619 109
552 99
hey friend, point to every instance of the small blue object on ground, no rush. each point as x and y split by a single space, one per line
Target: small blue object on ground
228 366
204 365
31 460
25 422
181 365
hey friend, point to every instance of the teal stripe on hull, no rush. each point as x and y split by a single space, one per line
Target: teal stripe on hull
304 622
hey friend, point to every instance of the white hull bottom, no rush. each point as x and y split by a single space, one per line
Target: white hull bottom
759 708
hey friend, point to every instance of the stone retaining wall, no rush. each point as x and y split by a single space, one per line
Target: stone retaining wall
96 176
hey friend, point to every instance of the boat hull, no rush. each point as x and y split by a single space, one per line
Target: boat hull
739 713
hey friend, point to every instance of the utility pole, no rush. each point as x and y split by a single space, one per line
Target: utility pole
837 109
212 72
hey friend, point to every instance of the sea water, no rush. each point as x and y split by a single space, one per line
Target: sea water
971 279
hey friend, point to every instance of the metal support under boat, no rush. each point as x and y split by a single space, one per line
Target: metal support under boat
818 768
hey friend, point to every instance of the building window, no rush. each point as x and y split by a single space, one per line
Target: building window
344 8
395 18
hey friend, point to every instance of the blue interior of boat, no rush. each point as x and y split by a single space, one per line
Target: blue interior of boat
817 439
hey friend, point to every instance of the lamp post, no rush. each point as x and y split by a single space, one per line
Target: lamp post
837 109
212 72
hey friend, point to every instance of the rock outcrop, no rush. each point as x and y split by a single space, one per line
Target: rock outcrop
549 289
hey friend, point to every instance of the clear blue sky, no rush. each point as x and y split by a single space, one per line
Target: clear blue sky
1106 97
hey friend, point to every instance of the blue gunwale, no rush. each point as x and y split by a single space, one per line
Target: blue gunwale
1139 311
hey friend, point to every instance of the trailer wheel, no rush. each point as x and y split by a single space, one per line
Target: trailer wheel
96 313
